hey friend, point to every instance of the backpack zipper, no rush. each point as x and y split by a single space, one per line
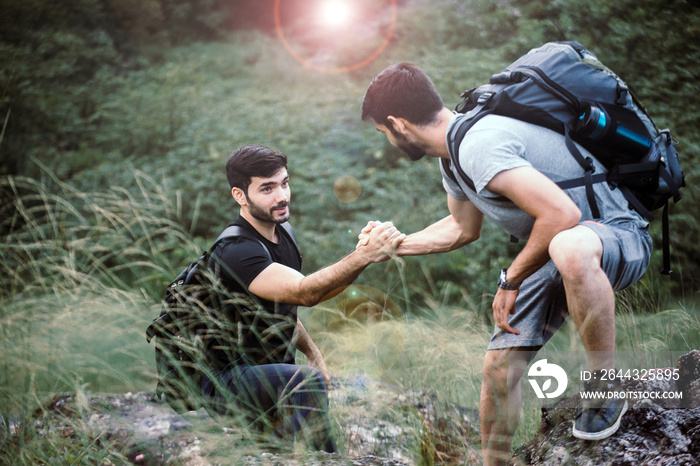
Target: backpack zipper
553 87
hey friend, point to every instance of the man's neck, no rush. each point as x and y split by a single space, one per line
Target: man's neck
266 229
439 135
433 138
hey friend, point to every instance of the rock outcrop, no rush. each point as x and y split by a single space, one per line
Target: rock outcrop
654 431
380 425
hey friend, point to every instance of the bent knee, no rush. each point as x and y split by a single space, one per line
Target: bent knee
576 250
310 377
503 369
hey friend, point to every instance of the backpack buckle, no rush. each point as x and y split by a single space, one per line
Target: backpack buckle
590 166
485 97
622 91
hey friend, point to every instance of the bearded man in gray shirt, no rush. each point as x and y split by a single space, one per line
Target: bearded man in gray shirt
570 264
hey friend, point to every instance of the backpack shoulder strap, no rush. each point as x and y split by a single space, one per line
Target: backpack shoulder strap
454 140
288 228
238 231
230 232
290 231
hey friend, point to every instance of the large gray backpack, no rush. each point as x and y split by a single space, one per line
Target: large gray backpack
564 87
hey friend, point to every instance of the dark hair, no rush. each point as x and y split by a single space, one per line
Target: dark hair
404 91
252 160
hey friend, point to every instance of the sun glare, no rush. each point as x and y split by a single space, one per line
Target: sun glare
333 25
334 13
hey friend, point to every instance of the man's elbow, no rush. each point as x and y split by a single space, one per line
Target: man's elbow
305 300
466 237
473 236
569 218
310 300
575 216
306 297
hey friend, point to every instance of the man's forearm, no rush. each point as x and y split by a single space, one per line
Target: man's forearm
305 343
285 285
315 287
540 198
535 254
442 236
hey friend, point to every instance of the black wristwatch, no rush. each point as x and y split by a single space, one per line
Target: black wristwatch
503 283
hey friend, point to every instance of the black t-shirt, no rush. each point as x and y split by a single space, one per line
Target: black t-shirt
246 258
264 333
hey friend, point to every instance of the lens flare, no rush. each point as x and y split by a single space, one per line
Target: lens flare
334 13
352 17
347 189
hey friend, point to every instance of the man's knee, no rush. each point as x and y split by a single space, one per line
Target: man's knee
308 380
503 369
494 370
576 251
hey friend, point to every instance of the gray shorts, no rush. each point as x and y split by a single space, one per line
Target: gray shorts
541 308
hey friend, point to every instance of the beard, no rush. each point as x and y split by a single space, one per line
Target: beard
268 216
412 151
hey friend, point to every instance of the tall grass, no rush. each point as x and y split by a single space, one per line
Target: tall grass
440 349
82 276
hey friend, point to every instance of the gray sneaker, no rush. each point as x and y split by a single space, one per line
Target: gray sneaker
599 423
598 419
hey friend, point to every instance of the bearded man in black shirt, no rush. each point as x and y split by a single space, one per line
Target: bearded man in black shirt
259 375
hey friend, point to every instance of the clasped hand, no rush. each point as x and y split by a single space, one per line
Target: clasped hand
379 240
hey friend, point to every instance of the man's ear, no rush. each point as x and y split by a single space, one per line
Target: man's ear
239 196
398 124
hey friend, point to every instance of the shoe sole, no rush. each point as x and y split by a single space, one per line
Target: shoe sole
603 434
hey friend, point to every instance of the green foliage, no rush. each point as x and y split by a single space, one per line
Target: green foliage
113 238
82 274
44 77
116 120
177 116
65 439
481 24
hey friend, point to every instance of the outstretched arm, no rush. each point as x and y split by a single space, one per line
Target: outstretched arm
460 228
285 285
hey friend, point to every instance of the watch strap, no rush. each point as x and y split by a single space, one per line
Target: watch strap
504 284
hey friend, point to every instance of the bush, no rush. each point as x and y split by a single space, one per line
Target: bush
176 118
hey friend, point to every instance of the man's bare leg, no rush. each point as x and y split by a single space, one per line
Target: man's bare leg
499 406
577 255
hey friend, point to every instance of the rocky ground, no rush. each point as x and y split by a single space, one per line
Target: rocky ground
377 425
380 425
653 432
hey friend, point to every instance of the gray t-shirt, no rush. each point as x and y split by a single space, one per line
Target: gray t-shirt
496 143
